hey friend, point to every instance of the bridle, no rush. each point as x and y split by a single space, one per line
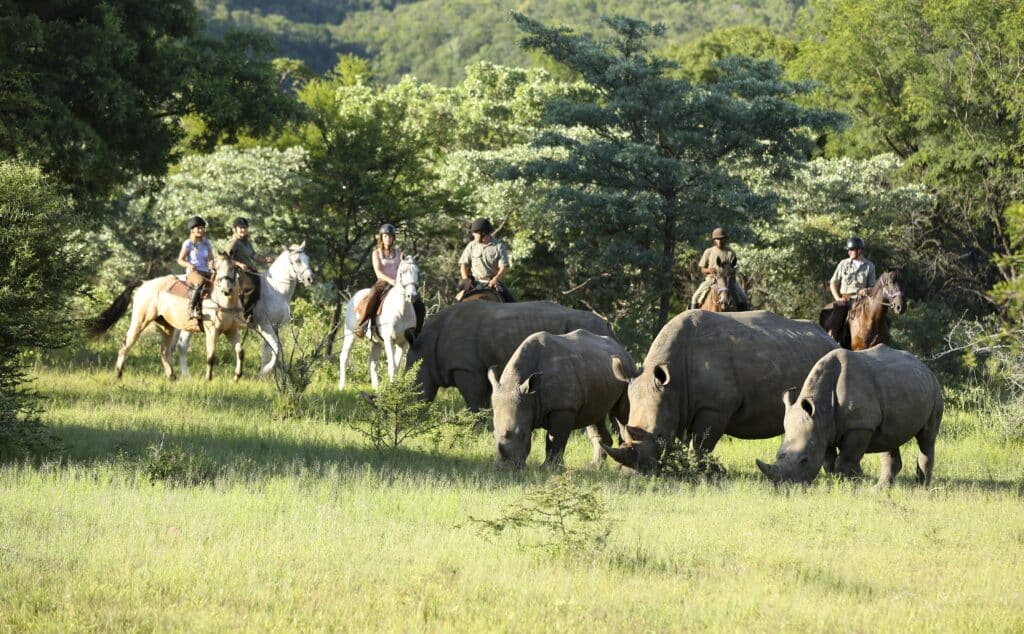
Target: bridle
723 292
887 294
298 272
406 270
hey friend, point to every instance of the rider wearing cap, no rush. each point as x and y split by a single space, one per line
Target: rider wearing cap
196 256
852 279
241 250
484 262
386 258
708 263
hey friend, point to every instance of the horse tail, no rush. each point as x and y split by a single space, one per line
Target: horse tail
114 312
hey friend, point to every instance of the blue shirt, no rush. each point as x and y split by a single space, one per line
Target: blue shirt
198 255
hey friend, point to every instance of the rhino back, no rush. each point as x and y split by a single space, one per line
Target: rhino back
738 364
481 334
888 391
576 371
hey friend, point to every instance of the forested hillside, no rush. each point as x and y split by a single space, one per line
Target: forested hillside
435 40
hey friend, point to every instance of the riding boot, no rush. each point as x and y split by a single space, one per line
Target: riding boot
195 304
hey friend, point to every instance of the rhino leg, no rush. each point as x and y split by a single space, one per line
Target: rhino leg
852 446
708 427
598 434
474 388
830 460
891 462
560 425
926 457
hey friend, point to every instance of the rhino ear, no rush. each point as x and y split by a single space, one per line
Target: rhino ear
787 397
492 376
620 371
662 375
808 406
529 385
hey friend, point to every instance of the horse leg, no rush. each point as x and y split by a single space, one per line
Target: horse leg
130 337
388 341
271 347
346 348
236 341
374 358
166 346
179 342
211 348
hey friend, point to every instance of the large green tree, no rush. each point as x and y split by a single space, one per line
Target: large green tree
640 173
937 82
95 92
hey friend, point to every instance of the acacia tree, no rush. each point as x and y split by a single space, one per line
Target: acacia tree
650 164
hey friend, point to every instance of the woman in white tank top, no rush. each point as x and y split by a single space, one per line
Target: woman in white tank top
386 258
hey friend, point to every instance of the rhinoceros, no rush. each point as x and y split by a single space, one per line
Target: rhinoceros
855 403
708 374
461 342
558 383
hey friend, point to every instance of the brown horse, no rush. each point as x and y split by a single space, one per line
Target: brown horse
720 298
866 323
153 303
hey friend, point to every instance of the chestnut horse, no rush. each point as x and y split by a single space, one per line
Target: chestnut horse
867 319
720 298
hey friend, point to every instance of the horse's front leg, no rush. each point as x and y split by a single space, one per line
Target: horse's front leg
236 341
271 348
374 359
388 335
179 343
211 348
346 349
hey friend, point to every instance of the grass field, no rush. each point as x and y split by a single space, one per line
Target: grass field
295 523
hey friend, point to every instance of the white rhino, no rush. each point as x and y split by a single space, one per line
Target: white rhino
461 342
709 374
558 383
855 403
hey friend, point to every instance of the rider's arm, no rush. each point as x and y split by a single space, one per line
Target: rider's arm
834 287
464 262
378 270
497 276
182 261
464 271
503 265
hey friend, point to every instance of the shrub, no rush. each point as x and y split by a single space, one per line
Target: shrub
177 466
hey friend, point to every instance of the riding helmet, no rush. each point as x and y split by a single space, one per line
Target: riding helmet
481 225
854 242
195 221
719 233
240 222
387 228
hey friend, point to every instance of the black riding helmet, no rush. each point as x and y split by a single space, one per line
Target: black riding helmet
387 228
481 225
854 242
195 221
240 222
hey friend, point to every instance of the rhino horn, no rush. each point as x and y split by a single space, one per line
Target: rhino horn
769 470
626 455
635 434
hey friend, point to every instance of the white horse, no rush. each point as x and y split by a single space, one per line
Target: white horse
272 310
396 316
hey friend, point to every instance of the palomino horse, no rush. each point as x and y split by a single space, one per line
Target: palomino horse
222 313
272 310
397 315
867 324
720 298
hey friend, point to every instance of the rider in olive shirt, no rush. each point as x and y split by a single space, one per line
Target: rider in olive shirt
484 262
241 250
852 279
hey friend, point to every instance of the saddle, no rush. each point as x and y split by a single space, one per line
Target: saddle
181 288
485 293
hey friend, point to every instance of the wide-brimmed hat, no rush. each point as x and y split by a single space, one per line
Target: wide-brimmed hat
481 225
719 233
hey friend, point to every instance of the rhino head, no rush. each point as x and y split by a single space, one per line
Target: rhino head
515 405
420 349
651 419
805 441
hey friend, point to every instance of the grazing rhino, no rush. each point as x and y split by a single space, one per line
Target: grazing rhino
709 374
855 403
558 383
461 342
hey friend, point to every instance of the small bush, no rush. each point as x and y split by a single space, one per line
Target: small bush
564 517
177 466
681 462
23 438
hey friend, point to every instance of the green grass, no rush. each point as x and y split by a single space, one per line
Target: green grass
302 526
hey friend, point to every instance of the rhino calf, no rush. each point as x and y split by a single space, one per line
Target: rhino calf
854 403
558 383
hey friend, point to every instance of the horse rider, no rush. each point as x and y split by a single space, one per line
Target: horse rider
386 260
196 256
484 262
719 251
241 250
853 278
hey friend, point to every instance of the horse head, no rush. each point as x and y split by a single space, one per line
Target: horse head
725 277
225 275
298 264
890 284
408 278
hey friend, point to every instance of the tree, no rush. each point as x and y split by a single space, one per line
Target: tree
651 164
938 84
94 92
39 255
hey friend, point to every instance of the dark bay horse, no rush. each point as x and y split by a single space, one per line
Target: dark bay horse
866 322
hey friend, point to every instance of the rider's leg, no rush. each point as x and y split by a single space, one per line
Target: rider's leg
700 294
195 302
